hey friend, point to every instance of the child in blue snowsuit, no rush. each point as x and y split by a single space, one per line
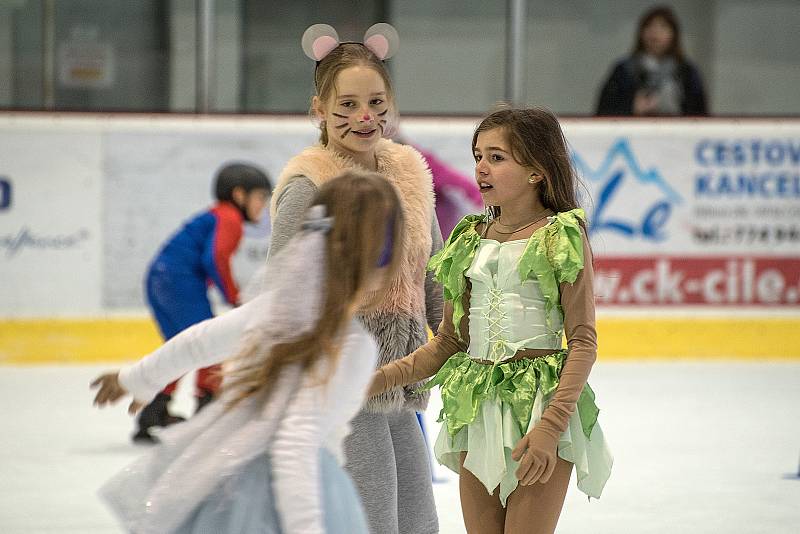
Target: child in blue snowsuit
196 256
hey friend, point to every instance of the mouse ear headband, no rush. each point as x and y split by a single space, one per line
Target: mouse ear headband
319 40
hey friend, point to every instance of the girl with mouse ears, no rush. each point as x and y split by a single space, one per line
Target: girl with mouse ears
518 414
354 109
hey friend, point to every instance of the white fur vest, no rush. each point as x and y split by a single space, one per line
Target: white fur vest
404 168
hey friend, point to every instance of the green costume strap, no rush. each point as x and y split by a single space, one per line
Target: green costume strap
554 254
450 264
465 384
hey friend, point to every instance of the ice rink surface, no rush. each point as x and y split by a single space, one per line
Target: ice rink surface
699 448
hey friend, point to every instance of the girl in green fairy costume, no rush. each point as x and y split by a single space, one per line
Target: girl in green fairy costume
518 414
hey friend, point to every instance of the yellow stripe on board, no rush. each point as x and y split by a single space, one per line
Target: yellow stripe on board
698 338
76 340
60 341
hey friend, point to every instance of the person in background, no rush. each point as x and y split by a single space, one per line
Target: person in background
196 256
657 78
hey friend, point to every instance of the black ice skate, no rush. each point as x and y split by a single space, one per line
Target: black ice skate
152 415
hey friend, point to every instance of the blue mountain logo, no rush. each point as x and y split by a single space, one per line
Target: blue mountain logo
620 171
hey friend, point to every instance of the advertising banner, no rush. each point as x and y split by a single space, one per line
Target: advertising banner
704 214
50 233
682 213
694 225
699 214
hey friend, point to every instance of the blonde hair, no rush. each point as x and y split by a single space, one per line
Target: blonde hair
342 57
366 211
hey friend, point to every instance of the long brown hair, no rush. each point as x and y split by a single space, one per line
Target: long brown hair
536 140
367 217
666 14
344 56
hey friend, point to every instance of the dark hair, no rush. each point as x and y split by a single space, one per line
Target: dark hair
243 175
344 56
667 15
536 141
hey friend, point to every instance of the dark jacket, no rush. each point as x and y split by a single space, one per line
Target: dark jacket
628 77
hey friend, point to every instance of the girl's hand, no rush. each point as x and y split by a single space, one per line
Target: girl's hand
110 390
536 454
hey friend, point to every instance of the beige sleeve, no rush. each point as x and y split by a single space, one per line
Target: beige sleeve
429 358
433 289
577 301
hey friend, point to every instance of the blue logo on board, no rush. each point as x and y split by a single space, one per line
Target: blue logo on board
620 170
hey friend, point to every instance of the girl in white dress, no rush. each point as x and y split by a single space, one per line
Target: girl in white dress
268 457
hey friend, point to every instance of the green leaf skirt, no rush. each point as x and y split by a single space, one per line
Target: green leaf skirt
488 408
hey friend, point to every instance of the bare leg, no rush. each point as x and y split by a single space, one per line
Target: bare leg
535 509
483 513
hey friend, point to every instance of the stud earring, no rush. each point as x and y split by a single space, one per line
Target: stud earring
532 180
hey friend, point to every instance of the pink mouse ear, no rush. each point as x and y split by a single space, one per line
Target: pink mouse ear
382 40
318 41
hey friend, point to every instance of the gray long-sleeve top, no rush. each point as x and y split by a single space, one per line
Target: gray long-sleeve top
297 196
396 337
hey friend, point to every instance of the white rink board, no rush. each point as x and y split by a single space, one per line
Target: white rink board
684 212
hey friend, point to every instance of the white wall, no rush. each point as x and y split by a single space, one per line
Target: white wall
51 235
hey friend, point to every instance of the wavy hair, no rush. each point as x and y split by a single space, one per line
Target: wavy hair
366 219
536 140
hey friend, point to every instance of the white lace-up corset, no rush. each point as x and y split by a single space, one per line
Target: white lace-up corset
505 314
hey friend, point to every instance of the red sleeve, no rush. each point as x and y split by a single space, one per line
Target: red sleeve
226 240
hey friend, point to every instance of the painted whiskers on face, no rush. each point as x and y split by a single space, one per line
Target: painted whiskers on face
382 120
345 126
355 113
342 125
